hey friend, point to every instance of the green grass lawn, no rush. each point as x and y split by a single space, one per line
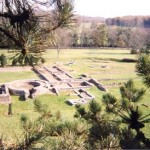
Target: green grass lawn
11 76
10 125
101 64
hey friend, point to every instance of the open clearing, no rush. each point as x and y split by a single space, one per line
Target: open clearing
101 64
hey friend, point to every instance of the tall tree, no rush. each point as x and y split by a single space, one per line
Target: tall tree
76 42
112 36
30 31
100 36
121 37
137 40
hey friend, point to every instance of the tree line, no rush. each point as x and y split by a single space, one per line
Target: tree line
81 33
130 21
112 36
101 35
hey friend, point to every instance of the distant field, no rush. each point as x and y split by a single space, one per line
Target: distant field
101 64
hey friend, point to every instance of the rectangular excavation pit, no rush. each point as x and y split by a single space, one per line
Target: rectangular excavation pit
53 70
63 86
85 94
62 77
85 97
71 94
58 69
79 85
74 96
50 78
46 74
77 101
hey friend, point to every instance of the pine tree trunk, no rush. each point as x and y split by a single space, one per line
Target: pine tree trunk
24 51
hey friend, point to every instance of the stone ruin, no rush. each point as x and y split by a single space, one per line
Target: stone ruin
60 80
54 80
28 88
4 95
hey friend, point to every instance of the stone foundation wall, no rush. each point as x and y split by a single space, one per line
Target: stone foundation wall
5 96
5 99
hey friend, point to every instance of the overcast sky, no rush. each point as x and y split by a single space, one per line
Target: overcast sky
112 8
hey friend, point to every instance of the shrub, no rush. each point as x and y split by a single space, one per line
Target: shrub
43 60
3 60
133 51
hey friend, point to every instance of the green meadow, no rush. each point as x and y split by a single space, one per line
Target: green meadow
105 65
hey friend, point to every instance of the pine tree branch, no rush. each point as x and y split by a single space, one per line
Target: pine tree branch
8 34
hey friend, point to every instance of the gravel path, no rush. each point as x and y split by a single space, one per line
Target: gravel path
14 69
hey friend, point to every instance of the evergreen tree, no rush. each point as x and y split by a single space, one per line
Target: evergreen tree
103 133
143 68
49 131
29 31
127 111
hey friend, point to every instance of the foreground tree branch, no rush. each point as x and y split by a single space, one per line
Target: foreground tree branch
29 27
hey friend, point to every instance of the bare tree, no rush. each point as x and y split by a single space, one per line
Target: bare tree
62 39
137 40
112 36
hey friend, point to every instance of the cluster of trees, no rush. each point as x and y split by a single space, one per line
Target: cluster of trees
101 34
96 36
25 26
135 39
130 21
116 123
112 36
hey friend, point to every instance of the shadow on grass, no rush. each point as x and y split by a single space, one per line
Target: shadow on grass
126 60
22 98
103 53
68 103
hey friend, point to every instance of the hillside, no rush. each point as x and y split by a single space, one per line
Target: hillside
87 19
125 21
130 21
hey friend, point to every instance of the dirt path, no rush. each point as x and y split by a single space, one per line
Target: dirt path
14 69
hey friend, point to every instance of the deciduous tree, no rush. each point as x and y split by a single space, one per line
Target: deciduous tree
100 36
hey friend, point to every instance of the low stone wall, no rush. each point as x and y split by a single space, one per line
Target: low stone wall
77 101
17 88
97 84
5 99
18 92
5 96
